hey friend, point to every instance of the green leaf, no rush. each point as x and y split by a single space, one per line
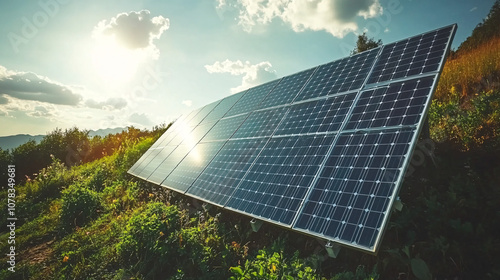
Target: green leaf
406 250
236 270
420 269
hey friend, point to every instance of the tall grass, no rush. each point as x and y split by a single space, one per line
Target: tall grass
471 72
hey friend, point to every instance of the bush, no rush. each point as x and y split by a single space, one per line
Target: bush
272 264
144 242
79 206
48 182
468 126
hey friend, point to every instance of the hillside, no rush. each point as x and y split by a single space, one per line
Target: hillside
81 216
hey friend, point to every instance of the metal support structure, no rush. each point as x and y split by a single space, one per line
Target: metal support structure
256 224
398 205
332 249
206 207
425 133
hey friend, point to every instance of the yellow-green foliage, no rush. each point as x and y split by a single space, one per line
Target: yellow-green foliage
470 72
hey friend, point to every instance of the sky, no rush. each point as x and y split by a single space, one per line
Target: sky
105 64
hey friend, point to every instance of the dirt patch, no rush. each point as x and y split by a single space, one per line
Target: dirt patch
38 254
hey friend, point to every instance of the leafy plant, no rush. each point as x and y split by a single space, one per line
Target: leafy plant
271 264
147 239
79 206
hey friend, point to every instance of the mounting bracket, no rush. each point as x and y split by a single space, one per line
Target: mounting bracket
332 249
206 207
398 205
256 224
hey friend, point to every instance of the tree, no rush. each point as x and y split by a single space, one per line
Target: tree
53 144
5 161
364 43
26 157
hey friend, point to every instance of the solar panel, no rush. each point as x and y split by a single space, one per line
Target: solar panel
400 103
279 178
261 123
219 180
252 98
223 107
352 194
417 55
287 89
322 151
339 76
316 116
191 166
225 128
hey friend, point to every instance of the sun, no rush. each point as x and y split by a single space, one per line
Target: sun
113 62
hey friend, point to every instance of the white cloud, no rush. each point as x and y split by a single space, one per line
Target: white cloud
253 74
40 111
3 112
34 109
110 104
141 119
3 100
134 30
473 9
188 103
30 86
337 17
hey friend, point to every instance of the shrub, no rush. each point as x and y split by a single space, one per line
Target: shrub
48 182
120 196
471 125
271 264
143 244
79 206
101 175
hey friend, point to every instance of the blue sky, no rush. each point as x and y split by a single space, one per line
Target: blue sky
101 64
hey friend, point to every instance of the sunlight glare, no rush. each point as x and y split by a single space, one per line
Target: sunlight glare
188 140
113 62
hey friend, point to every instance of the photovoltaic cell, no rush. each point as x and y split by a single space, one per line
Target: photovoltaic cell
202 113
252 98
164 139
261 123
219 180
400 103
223 107
153 164
413 56
279 178
322 151
225 128
323 115
182 132
352 194
339 76
168 163
191 166
198 133
287 89
139 165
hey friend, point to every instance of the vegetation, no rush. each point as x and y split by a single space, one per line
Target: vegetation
81 216
364 43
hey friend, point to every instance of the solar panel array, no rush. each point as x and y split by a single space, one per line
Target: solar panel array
322 151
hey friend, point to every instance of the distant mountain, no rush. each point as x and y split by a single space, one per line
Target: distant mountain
10 142
13 141
106 131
